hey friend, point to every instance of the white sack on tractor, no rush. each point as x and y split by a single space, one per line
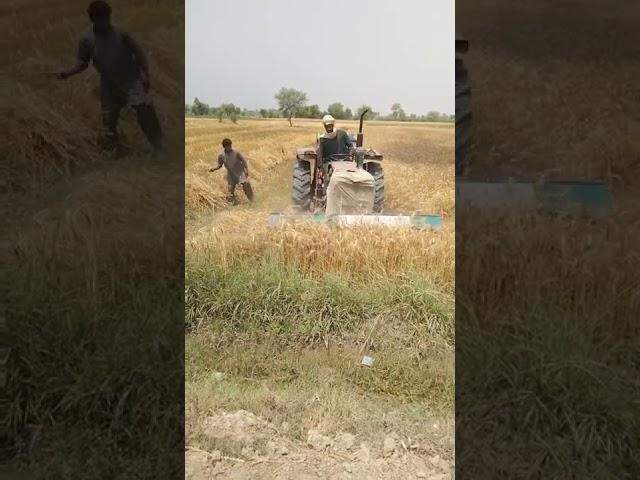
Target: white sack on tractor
350 191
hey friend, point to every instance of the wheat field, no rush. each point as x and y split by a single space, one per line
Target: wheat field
417 158
309 298
92 252
418 175
547 306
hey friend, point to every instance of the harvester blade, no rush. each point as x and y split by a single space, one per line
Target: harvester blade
422 221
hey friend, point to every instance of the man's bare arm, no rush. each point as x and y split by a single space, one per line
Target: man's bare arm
82 60
79 67
220 164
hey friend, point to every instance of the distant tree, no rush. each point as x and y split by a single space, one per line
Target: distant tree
362 108
314 111
270 113
336 110
348 113
274 113
187 109
199 108
371 114
433 116
397 113
290 101
228 110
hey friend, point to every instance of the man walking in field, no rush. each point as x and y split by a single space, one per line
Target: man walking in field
332 142
237 171
124 75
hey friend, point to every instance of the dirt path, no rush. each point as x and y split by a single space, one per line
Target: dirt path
262 451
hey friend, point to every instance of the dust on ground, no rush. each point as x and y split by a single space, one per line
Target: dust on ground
264 451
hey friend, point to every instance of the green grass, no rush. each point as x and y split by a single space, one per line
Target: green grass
547 350
404 373
281 339
265 295
287 382
76 372
93 310
94 397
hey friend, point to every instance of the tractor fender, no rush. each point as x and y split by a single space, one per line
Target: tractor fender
306 154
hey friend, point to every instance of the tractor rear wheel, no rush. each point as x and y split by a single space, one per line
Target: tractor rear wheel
463 116
375 169
302 185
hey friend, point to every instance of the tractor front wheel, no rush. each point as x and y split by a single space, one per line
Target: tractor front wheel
375 169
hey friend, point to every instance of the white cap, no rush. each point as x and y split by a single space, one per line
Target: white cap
328 120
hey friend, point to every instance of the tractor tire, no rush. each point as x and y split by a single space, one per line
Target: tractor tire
302 193
463 116
375 169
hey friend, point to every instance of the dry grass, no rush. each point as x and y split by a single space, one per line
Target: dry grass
418 171
51 126
546 339
548 101
308 389
316 249
93 259
419 178
546 308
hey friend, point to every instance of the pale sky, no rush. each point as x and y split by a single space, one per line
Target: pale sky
374 52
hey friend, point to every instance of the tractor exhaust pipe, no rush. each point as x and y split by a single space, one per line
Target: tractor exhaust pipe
359 139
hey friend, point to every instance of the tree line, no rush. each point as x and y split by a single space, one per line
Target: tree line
292 103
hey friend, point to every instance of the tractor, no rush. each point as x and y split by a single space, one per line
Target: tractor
311 175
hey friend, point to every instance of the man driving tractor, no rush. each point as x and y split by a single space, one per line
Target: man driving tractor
332 142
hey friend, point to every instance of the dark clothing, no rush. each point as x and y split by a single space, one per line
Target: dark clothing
235 164
246 188
122 66
118 59
113 102
339 144
236 167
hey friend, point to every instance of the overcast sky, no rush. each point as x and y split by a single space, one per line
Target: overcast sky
352 51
